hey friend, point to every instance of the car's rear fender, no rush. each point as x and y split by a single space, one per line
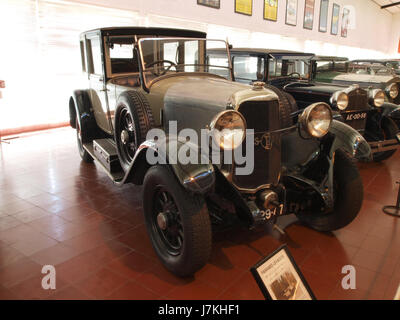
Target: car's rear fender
197 178
80 110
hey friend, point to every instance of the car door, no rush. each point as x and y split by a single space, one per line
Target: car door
98 90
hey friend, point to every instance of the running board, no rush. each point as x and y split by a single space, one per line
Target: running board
98 150
387 145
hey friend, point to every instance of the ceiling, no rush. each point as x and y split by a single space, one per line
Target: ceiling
394 10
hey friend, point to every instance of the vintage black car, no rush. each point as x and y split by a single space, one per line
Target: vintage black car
148 84
292 72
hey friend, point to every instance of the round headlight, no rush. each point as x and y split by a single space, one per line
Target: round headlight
377 97
228 129
316 119
341 100
393 90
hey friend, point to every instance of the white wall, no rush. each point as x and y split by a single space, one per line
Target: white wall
395 36
372 34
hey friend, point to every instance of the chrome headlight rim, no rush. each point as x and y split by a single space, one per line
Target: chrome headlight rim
214 128
340 99
304 120
393 90
375 100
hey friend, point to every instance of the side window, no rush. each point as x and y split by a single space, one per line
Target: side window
248 68
83 55
94 52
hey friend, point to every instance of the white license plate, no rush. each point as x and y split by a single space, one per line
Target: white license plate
356 116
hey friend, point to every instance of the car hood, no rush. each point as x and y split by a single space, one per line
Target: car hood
206 91
193 100
363 79
314 88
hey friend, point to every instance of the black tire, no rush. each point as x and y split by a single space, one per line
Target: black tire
193 223
85 156
390 129
284 107
348 194
132 106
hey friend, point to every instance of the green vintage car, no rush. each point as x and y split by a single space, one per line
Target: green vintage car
152 92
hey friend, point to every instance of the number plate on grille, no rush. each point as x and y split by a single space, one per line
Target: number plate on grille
356 116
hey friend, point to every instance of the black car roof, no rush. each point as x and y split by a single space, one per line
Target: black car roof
270 51
331 58
164 32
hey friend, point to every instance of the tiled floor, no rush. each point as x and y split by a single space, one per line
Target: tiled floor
57 210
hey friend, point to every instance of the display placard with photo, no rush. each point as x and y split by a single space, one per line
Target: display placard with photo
210 3
279 278
323 16
345 22
271 10
244 7
309 14
291 12
335 19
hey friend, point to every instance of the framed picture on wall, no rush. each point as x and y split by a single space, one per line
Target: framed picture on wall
291 12
244 7
271 10
335 19
345 22
279 277
210 3
309 14
323 16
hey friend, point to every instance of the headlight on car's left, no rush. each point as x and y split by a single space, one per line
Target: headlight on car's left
316 119
340 99
377 97
393 90
228 129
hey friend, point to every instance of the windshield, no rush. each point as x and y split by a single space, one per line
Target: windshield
164 56
296 68
370 69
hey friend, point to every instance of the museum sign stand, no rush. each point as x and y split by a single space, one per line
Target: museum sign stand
394 210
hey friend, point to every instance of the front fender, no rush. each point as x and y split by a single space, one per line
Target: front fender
350 140
391 110
195 176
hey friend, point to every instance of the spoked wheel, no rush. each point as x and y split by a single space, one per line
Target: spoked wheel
82 151
133 119
127 133
178 222
167 222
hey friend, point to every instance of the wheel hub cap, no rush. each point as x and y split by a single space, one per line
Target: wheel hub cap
162 221
124 136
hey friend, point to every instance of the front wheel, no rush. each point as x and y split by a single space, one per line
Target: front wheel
348 197
178 222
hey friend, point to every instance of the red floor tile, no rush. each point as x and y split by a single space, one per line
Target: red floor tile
132 291
101 284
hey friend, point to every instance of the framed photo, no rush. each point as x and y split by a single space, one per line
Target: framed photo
271 10
323 16
335 19
309 14
291 12
210 3
279 278
244 7
345 22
